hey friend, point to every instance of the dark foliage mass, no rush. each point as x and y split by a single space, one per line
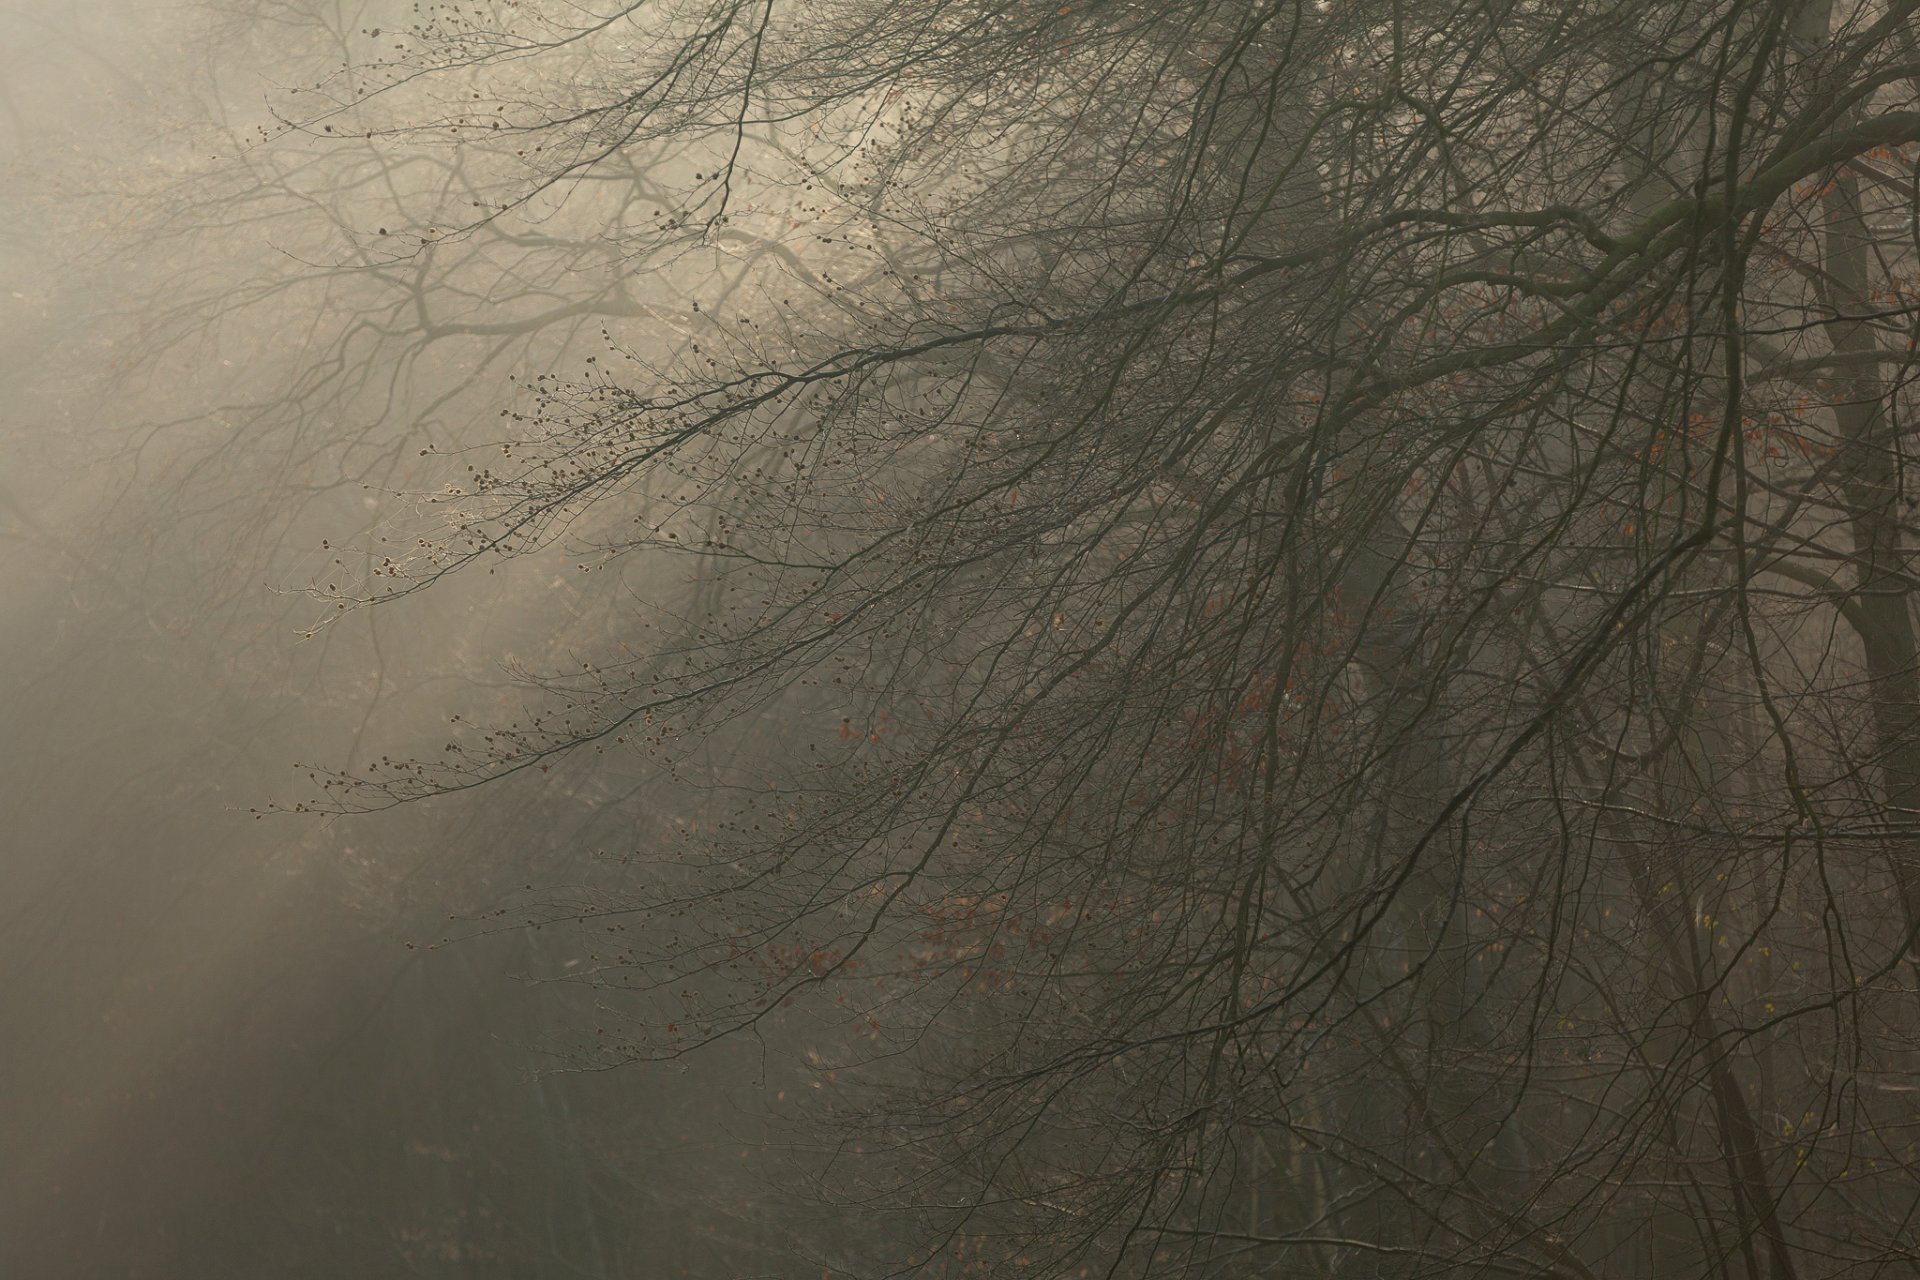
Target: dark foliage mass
1163 639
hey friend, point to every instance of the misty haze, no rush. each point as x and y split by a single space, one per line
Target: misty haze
879 639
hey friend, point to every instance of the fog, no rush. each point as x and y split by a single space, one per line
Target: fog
1190 638
228 1043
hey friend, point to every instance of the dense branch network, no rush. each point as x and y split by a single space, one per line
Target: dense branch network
1297 619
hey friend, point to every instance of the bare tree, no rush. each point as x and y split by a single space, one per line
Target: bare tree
1303 648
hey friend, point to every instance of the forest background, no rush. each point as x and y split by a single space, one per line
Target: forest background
964 638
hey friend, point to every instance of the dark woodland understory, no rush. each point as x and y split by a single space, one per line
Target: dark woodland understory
1111 640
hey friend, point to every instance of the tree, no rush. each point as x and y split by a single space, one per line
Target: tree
1303 654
